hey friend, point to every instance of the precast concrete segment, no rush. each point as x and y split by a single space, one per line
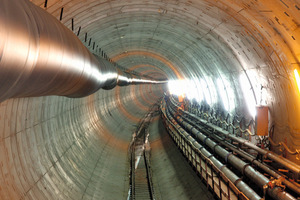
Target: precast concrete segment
147 67
262 34
62 148
155 56
40 56
206 38
122 108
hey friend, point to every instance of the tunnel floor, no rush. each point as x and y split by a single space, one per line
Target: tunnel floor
158 170
172 176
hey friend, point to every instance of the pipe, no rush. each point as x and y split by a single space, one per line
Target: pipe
40 56
272 156
250 158
264 167
111 73
241 185
124 79
236 162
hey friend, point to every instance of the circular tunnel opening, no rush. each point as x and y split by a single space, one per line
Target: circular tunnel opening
227 55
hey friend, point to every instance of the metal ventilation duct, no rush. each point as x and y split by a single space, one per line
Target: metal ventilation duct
40 56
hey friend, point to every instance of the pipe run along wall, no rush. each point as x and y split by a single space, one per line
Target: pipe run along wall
39 56
245 168
241 185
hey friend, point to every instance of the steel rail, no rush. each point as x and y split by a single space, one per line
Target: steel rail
139 149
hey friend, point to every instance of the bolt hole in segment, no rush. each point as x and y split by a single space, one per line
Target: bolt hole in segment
141 186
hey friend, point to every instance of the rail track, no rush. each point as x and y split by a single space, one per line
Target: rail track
141 187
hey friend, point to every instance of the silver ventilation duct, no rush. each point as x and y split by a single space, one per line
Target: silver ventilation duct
40 56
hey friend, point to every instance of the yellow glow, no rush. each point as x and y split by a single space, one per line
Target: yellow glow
297 78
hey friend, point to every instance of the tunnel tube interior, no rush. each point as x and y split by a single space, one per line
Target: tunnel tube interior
55 147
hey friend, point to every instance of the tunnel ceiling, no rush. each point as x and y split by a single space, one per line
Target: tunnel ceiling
199 38
60 148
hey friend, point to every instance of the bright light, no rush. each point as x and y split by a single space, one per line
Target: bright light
197 89
190 88
199 92
206 91
212 90
227 94
248 94
222 90
177 87
258 82
297 78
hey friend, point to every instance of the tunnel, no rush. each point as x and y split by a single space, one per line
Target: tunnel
78 77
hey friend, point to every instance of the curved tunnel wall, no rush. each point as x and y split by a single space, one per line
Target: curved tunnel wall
61 148
50 141
40 56
216 39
